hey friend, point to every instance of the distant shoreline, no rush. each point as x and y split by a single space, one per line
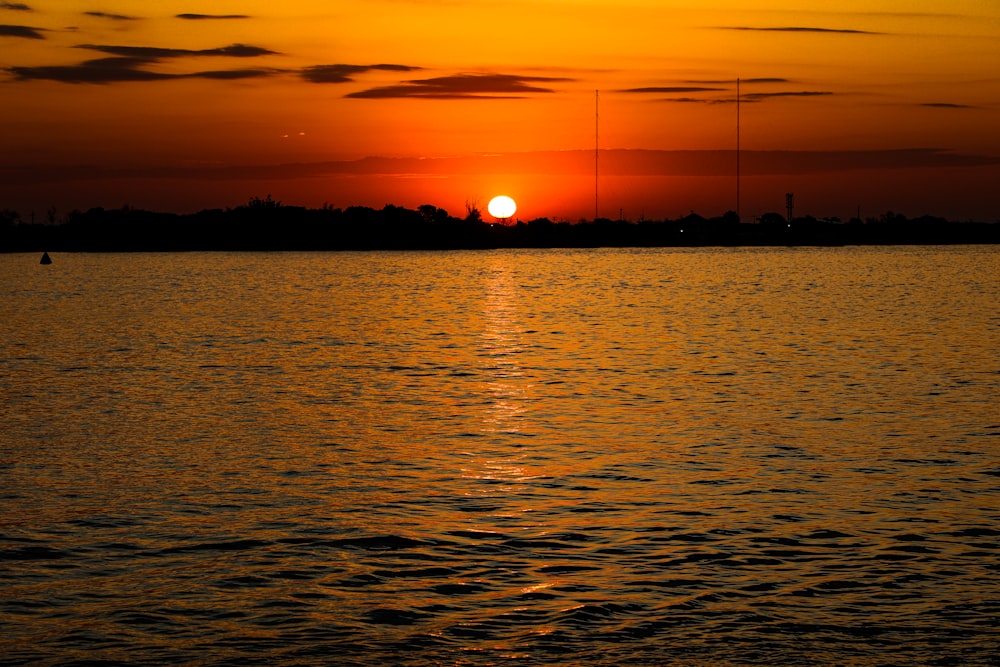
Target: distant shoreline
264 224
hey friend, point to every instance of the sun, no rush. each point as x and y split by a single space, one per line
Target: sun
502 207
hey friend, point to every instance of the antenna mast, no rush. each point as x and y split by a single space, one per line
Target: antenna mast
737 149
596 145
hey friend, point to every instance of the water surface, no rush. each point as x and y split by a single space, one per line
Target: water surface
602 457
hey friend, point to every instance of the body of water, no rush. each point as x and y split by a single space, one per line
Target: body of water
541 457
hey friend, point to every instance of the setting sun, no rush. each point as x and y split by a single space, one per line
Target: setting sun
502 207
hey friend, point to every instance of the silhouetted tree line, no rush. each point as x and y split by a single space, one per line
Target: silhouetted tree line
266 224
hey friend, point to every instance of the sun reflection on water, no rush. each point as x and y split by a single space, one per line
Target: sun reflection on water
501 346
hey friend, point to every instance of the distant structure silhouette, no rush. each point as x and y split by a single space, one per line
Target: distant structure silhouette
259 225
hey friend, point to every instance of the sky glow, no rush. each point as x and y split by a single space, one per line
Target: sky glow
854 106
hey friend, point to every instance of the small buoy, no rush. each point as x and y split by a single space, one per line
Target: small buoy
45 258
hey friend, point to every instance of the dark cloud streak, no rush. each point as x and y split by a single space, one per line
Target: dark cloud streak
210 17
128 64
15 6
787 93
807 29
463 86
23 31
946 105
157 53
671 89
102 70
745 97
695 100
121 70
113 17
230 74
717 82
616 162
345 73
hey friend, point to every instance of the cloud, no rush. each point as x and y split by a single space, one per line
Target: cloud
152 53
15 6
717 82
946 105
202 17
230 74
808 29
787 93
730 88
129 63
21 31
666 163
120 70
102 70
113 17
653 163
463 86
671 89
345 73
695 100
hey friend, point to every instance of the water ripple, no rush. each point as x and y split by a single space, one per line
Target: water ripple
747 457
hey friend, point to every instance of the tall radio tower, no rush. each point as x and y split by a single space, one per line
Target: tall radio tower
596 146
737 149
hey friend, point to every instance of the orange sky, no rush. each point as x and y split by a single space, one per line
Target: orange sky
877 105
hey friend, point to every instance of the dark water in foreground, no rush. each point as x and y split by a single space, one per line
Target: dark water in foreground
610 457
